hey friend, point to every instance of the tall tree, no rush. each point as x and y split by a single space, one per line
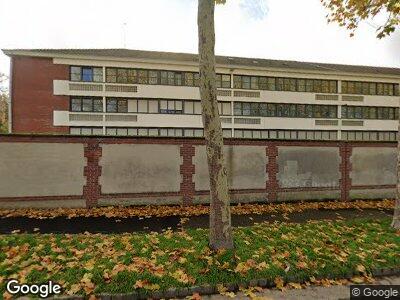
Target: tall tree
220 215
349 13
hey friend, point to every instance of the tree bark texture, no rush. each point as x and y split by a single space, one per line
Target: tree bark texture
396 214
220 215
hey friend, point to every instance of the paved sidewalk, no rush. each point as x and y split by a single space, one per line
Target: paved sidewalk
334 292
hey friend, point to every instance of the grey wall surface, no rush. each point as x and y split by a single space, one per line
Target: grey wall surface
373 166
140 168
41 169
308 166
246 166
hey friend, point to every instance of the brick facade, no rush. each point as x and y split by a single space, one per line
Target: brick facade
33 101
92 171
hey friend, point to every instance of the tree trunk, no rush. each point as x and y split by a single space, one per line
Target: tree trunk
220 214
396 215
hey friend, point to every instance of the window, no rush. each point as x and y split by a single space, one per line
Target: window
224 108
87 74
223 81
86 104
171 107
117 105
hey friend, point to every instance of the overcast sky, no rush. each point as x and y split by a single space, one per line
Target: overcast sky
279 29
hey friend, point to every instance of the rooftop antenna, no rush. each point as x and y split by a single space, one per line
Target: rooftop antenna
124 34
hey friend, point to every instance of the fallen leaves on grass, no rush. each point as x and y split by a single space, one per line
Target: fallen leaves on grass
103 263
120 212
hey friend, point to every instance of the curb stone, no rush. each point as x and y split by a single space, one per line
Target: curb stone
208 289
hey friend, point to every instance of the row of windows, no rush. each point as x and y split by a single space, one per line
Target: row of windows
143 76
89 74
242 133
284 110
286 134
182 78
370 88
284 84
86 130
370 112
120 105
86 104
369 135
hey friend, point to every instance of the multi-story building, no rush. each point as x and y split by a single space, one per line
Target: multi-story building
144 93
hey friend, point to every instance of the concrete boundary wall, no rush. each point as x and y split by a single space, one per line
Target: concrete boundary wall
97 171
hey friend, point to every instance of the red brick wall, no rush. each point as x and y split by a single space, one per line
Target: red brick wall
33 101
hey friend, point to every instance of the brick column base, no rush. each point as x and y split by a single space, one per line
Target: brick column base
187 171
92 172
272 170
345 169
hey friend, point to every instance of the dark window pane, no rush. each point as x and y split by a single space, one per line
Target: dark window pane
237 109
111 75
237 81
132 76
76 104
143 77
87 74
189 79
122 75
153 77
76 74
246 109
226 81
87 105
122 106
246 82
98 74
254 83
111 105
97 105
262 83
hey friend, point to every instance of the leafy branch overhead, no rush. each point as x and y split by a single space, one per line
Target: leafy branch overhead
349 13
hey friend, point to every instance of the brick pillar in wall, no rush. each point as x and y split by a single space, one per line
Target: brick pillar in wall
187 170
345 169
92 172
272 171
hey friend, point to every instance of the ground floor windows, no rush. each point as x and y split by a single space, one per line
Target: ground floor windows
160 132
86 130
353 135
286 134
279 134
